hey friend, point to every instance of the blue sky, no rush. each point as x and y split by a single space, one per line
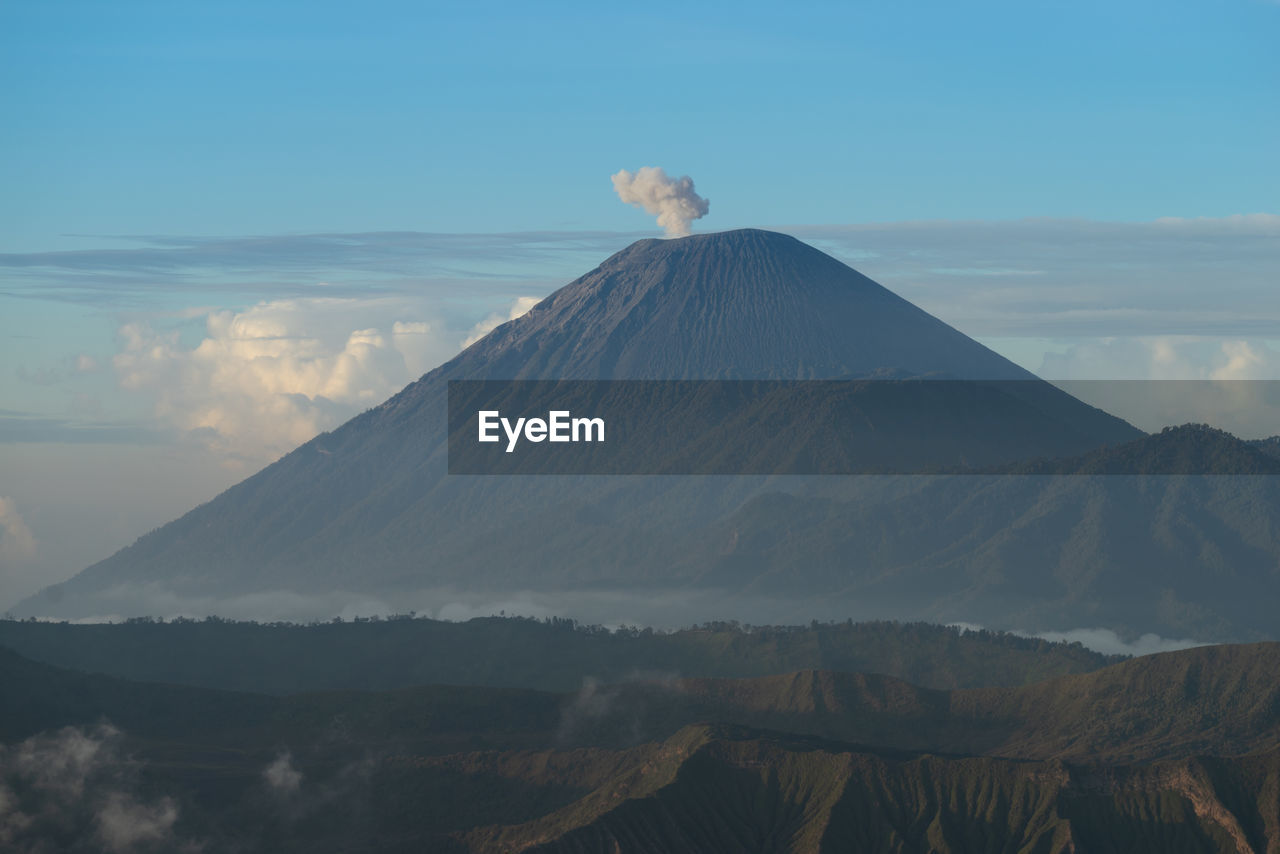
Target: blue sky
248 118
223 225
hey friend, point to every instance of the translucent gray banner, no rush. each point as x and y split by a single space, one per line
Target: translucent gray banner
840 427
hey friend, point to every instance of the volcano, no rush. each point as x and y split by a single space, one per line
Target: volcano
736 305
368 511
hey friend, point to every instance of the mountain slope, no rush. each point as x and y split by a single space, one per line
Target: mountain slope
369 508
736 305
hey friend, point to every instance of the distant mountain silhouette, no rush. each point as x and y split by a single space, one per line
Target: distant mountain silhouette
1121 537
369 510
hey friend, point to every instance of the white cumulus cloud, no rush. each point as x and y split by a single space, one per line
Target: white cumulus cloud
1164 357
264 380
1157 381
673 200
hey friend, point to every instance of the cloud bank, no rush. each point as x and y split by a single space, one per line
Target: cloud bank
673 200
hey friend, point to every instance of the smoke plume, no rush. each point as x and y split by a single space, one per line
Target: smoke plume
672 199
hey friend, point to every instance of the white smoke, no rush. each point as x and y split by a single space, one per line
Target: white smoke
672 199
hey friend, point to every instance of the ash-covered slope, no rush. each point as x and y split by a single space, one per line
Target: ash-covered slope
736 305
368 508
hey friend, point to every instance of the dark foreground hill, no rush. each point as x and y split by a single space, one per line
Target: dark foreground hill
727 789
1173 752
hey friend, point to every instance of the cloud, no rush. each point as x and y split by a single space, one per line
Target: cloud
615 707
1104 641
674 200
419 343
1030 277
296 799
124 823
281 776
1154 382
62 762
518 308
26 427
1164 357
59 371
1068 278
1108 642
72 790
1245 360
16 541
145 268
261 381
